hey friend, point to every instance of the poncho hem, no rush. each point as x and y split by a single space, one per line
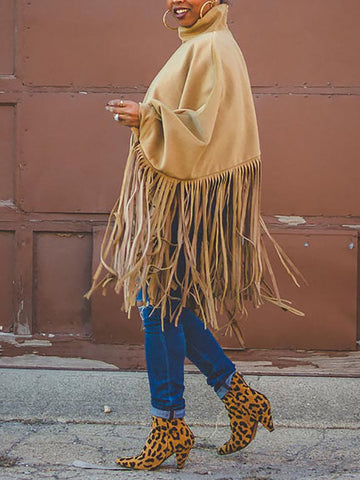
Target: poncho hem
229 268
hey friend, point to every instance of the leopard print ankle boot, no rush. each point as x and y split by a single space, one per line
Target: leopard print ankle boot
166 438
246 407
243 428
252 402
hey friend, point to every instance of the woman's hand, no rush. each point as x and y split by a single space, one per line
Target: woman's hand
127 110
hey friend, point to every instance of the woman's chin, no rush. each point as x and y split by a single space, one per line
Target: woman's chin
186 23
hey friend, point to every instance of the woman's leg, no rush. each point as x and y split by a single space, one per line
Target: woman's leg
204 351
200 347
165 356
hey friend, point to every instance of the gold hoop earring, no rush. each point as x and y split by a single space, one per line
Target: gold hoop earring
211 2
164 21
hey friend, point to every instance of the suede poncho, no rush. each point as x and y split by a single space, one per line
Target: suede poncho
195 159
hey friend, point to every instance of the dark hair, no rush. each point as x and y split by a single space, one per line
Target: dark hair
225 1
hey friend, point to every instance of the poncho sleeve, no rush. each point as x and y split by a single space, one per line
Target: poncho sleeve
178 117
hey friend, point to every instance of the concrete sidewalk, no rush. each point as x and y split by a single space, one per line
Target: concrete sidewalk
50 418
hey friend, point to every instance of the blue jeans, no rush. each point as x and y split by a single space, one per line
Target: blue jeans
165 353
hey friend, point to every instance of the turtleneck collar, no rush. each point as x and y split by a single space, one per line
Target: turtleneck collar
215 19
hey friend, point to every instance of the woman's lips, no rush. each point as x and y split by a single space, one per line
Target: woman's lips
180 13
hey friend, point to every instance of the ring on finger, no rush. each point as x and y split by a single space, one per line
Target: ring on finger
117 117
121 103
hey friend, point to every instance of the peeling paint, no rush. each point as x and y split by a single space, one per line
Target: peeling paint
21 328
35 343
14 340
291 220
38 361
7 203
20 310
8 338
351 226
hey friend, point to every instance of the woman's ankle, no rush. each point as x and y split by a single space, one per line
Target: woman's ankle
225 386
167 414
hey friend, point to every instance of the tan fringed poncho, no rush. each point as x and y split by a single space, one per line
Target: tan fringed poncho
195 159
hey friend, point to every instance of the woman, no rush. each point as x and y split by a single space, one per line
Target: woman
186 239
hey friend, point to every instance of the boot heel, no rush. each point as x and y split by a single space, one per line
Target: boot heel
267 420
263 415
181 457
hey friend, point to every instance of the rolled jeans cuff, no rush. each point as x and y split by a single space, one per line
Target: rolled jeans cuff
225 387
167 414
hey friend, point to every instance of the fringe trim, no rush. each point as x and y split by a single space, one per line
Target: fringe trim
229 267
